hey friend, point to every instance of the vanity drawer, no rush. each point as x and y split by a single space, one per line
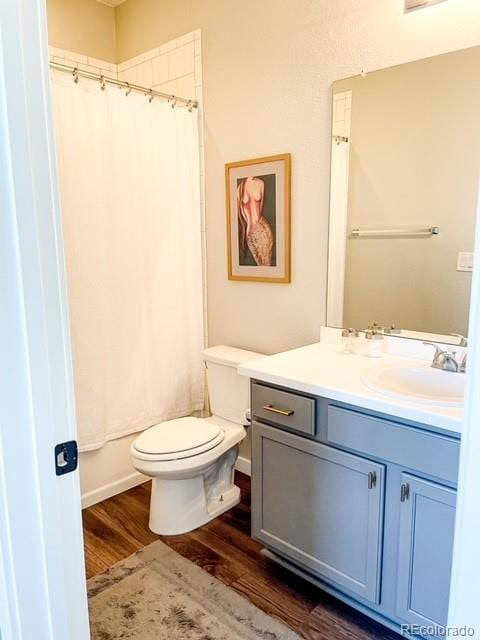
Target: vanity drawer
283 408
412 448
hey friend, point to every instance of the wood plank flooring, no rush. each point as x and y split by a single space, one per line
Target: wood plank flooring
117 527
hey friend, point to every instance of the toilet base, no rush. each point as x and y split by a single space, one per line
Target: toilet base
181 505
193 514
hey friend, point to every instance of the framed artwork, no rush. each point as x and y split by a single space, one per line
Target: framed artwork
258 219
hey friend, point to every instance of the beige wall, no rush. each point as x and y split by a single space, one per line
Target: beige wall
268 72
83 26
414 161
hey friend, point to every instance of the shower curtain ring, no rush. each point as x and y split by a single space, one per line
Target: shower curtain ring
102 83
75 75
150 96
190 106
174 101
129 89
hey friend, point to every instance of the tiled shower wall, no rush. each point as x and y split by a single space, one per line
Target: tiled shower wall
174 67
83 62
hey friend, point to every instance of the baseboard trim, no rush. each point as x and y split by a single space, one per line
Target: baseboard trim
244 465
112 489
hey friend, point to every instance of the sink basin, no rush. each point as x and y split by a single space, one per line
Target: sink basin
416 383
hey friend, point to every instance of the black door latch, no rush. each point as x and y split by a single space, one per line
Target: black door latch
66 457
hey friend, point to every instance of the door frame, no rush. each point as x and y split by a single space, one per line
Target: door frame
465 584
41 546
42 574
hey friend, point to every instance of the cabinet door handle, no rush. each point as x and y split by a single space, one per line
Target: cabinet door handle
372 479
282 412
404 492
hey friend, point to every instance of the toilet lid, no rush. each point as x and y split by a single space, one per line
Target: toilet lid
192 435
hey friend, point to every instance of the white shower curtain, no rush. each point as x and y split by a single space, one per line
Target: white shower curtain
129 181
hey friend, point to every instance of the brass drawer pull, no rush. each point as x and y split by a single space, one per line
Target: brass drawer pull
287 412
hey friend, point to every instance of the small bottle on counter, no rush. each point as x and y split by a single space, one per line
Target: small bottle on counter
374 343
349 341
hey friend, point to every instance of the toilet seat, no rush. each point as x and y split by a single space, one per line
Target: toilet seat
177 439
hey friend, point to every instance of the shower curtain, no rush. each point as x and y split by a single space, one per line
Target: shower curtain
129 182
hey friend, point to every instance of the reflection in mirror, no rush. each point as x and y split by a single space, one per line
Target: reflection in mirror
404 187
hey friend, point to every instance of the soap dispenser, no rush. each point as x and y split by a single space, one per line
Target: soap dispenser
374 343
348 340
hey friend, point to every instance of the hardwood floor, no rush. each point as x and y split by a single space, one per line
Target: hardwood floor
117 527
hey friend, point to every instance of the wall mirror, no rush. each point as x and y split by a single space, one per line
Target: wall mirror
405 171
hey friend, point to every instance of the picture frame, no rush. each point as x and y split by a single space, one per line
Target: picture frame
258 219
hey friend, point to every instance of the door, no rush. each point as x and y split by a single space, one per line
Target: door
42 576
427 521
320 507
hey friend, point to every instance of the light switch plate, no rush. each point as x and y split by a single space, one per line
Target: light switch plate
413 5
465 261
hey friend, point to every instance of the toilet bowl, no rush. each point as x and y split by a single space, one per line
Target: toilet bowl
191 460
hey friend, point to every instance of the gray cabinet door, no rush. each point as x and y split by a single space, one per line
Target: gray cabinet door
319 506
427 520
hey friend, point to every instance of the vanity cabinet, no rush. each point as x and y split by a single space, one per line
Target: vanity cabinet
321 507
360 504
427 521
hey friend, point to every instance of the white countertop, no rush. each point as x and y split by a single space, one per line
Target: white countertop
321 369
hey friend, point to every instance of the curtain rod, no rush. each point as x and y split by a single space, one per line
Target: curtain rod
77 73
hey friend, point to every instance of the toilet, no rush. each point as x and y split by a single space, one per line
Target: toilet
191 460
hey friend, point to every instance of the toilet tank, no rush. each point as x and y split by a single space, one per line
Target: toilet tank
229 392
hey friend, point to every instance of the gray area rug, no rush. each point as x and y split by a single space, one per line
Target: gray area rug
156 594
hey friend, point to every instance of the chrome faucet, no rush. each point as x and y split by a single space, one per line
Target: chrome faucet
444 360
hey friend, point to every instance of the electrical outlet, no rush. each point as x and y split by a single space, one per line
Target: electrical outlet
465 261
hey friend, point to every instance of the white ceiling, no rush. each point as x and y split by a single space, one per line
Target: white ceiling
111 3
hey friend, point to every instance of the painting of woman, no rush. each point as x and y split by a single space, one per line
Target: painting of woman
258 219
255 231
